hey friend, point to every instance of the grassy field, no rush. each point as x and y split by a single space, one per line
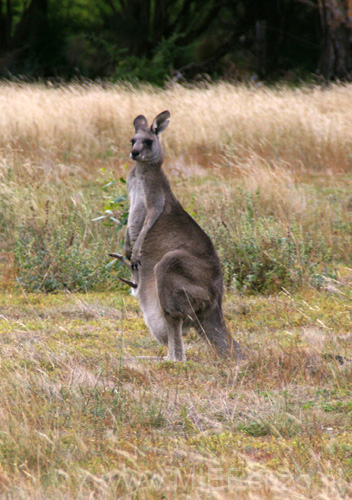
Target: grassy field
84 413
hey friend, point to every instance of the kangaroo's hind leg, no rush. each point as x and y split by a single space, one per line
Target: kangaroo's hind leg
180 297
185 294
175 342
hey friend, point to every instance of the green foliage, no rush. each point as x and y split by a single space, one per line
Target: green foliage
66 248
115 211
155 70
144 40
52 259
259 255
256 429
7 212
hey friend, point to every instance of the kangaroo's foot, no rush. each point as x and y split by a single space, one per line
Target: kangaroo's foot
168 358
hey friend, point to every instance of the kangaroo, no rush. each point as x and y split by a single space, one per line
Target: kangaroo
176 271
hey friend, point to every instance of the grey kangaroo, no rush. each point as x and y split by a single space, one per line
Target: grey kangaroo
175 269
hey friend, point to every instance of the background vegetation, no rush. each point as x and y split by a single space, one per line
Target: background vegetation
158 40
83 413
280 165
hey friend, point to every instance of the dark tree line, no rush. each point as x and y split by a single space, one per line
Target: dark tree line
160 39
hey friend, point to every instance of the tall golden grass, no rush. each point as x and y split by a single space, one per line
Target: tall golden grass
305 128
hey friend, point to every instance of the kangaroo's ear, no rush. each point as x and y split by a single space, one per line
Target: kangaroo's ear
160 122
140 123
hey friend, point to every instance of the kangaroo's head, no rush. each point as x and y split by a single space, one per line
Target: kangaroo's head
146 147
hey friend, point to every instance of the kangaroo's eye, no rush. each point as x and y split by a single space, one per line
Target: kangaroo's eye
149 143
133 141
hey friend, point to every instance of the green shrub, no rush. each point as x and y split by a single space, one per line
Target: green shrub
155 70
66 248
52 259
258 254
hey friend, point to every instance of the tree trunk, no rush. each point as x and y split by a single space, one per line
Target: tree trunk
5 24
336 54
260 47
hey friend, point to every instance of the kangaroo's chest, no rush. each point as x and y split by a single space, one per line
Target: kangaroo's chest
137 211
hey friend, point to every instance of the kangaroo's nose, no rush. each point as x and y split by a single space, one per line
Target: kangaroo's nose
134 154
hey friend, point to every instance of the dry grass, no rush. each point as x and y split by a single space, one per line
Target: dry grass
82 417
308 128
268 173
68 133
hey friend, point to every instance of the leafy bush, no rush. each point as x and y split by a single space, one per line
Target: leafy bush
66 249
115 211
154 70
52 259
258 254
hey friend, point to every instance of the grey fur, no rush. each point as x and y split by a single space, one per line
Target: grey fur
173 262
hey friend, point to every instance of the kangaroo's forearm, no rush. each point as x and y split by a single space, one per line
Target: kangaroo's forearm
154 207
149 221
128 245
